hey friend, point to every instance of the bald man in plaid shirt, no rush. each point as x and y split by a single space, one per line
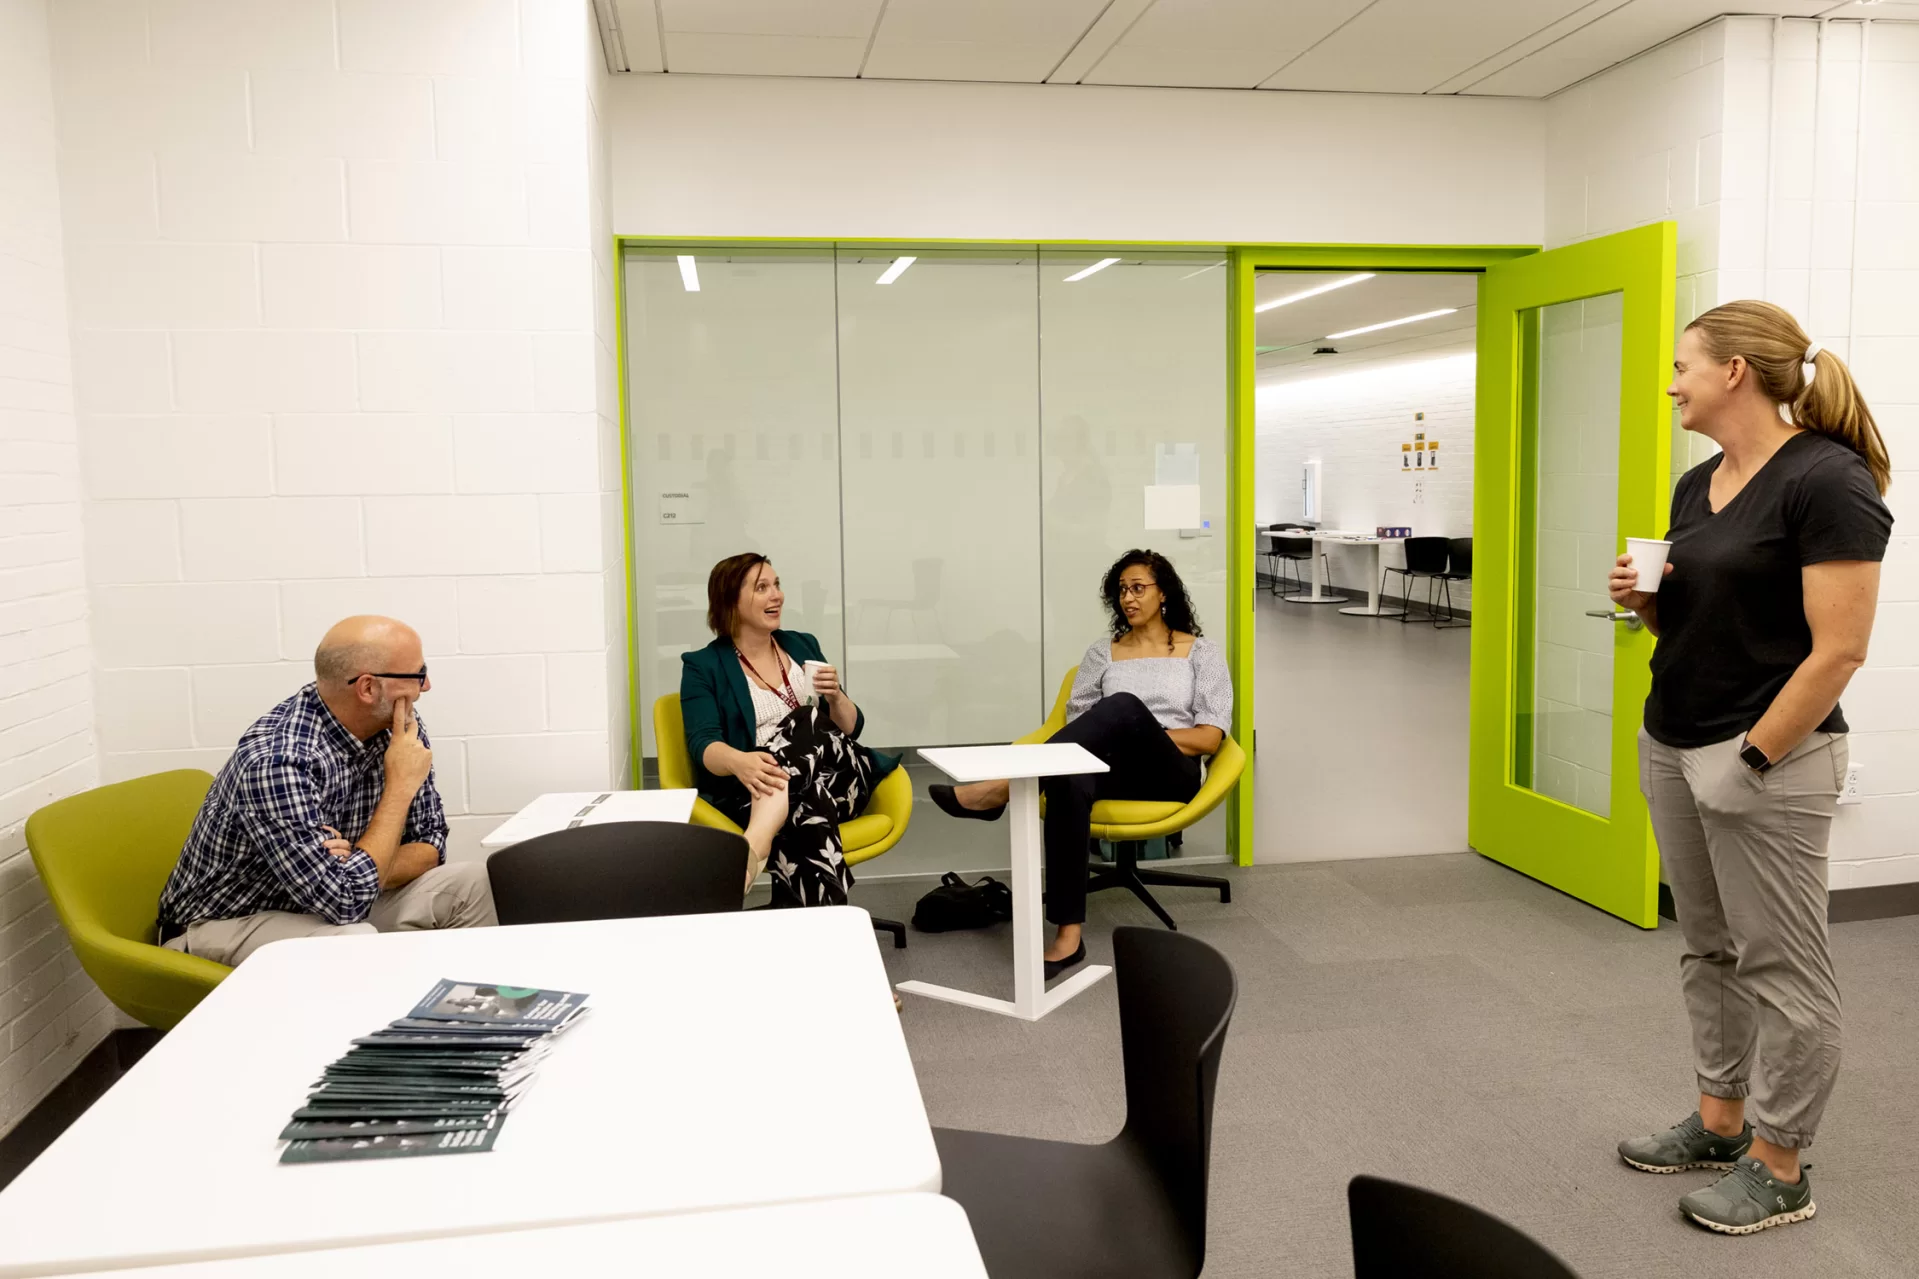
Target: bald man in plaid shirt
326 819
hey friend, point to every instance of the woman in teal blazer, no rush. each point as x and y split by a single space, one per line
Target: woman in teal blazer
773 736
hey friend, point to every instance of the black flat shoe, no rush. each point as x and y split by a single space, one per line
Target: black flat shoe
1054 967
949 803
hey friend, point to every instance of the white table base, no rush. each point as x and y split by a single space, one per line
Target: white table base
1371 607
1031 1000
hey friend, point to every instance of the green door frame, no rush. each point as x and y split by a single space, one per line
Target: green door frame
1243 261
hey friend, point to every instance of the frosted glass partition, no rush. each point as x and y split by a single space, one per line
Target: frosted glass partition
1133 382
939 418
1577 403
941 467
733 416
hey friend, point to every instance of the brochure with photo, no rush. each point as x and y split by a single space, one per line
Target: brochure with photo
468 1001
390 1146
311 1129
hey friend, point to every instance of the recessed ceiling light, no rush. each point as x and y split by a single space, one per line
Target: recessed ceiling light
1393 324
1303 294
689 274
895 271
1100 265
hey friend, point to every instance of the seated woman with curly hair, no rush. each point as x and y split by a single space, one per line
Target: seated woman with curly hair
1152 701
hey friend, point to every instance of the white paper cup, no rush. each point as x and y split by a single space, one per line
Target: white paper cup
1649 558
808 669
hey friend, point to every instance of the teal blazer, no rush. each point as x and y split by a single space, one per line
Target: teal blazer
717 706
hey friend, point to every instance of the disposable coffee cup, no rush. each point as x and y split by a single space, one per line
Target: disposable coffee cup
1649 560
810 669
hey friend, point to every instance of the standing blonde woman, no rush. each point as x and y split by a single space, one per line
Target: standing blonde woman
1762 618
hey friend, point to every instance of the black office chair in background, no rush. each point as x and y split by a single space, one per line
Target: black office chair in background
619 870
1295 551
1401 1230
1425 561
1137 1204
1459 568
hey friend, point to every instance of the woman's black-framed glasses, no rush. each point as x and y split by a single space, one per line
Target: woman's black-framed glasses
1135 589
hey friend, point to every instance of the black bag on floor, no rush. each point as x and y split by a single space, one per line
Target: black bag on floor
956 904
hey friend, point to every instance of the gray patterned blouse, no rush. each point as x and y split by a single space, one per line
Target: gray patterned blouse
1182 692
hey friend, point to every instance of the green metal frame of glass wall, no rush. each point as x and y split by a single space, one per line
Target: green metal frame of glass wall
1243 261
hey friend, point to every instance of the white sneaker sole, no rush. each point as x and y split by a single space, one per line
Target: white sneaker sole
1662 1169
1777 1219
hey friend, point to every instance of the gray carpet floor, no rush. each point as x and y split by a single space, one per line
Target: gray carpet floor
1444 1021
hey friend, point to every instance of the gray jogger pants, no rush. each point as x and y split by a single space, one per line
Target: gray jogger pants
1745 856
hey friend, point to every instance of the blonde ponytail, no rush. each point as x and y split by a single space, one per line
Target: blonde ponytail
1813 385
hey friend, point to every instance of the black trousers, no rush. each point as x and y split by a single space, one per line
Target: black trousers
829 779
1145 765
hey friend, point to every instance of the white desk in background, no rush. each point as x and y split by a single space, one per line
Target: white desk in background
691 1084
870 1237
1335 537
1022 767
559 810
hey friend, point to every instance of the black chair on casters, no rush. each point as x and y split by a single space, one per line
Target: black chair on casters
1426 560
619 870
1458 569
1137 1204
1401 1230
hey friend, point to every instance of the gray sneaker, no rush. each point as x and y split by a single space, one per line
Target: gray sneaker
1688 1144
1748 1199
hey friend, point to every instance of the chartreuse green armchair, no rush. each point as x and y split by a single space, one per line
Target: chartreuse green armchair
874 831
1127 824
104 855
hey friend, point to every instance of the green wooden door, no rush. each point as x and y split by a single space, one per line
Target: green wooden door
1572 455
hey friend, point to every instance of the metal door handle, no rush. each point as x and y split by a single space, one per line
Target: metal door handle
1630 618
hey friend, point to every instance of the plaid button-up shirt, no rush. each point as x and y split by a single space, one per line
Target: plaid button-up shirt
257 844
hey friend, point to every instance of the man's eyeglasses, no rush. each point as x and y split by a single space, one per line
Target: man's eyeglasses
1135 589
419 675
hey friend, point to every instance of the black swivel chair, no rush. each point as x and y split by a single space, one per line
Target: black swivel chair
619 870
1425 560
1459 568
1401 1230
1137 1204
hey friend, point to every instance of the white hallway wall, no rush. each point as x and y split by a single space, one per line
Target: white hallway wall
338 350
1768 175
1354 423
744 156
50 1013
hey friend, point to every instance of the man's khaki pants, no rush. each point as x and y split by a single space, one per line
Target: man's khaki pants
453 896
1745 856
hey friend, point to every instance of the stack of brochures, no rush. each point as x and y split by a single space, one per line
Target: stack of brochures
439 1081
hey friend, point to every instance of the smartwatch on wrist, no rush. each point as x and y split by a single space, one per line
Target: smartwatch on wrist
1754 758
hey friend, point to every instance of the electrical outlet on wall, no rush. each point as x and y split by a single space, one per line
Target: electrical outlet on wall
1850 793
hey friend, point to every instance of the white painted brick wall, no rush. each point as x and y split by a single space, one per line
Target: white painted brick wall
1354 423
339 275
51 1015
1694 130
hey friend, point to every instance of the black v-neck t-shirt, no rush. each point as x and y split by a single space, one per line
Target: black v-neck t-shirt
1732 613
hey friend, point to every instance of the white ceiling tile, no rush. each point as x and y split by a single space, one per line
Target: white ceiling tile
1615 37
960 60
828 19
1409 46
720 54
640 33
1105 32
1017 40
1589 12
1219 43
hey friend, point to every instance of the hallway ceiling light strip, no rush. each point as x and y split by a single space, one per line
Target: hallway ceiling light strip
1303 294
689 274
895 271
1100 265
1393 324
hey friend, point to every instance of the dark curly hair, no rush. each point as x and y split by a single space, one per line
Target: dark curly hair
1179 605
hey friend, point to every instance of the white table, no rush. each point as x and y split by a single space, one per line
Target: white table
870 1237
1325 537
1022 767
558 810
692 1084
